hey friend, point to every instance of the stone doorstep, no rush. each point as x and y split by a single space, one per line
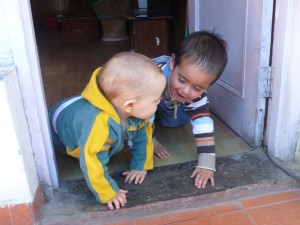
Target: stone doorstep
170 189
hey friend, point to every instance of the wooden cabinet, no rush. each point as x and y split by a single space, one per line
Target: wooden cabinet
150 35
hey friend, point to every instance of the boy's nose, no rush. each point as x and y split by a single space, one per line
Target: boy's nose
186 90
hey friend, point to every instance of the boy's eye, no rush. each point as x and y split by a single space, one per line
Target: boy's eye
182 80
197 88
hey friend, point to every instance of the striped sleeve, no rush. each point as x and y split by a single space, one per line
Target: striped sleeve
203 130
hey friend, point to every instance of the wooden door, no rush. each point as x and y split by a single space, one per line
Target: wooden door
239 97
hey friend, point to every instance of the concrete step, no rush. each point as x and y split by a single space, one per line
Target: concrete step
170 189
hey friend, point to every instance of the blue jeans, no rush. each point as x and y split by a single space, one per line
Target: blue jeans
165 115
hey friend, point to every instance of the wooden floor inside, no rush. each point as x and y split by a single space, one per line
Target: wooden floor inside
66 69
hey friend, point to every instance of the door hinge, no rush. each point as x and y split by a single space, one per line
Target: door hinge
266 81
269 81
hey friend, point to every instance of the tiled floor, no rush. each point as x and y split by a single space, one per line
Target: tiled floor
274 209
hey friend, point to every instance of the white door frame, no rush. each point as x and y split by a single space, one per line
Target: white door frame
19 31
283 123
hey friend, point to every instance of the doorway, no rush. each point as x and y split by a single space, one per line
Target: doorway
66 69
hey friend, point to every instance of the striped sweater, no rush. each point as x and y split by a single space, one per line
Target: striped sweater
202 123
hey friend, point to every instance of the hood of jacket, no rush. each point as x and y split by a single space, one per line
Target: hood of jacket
93 94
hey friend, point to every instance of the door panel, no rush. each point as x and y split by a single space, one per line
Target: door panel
238 97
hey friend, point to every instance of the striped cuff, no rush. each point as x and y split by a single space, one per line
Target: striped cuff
207 161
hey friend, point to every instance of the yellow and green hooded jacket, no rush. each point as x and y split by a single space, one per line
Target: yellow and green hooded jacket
88 127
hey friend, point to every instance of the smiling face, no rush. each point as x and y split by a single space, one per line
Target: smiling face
187 82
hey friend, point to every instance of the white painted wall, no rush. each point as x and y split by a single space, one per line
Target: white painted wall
284 109
18 50
18 174
19 180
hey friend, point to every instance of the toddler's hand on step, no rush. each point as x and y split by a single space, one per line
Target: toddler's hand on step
135 176
118 201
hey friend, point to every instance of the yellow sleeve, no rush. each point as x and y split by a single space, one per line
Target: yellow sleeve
94 158
149 148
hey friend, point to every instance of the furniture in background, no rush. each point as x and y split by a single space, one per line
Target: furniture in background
112 15
79 24
149 35
79 29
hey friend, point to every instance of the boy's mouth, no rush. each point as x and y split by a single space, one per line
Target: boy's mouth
179 97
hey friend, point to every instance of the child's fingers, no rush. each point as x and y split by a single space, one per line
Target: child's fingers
161 152
203 183
202 176
201 180
110 205
198 181
121 200
116 203
194 174
125 173
121 191
135 176
142 179
164 155
138 179
130 177
122 194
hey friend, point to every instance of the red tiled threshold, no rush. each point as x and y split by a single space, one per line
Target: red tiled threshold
270 199
24 213
280 208
191 216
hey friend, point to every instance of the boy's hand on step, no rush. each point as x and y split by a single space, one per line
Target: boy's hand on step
161 152
118 201
201 176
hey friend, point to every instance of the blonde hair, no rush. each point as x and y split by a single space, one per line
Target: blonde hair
127 72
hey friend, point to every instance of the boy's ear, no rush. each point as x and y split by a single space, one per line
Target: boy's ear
171 65
129 105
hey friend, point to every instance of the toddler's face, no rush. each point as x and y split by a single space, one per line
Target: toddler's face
150 98
187 82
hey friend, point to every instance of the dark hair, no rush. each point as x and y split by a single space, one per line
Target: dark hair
206 50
